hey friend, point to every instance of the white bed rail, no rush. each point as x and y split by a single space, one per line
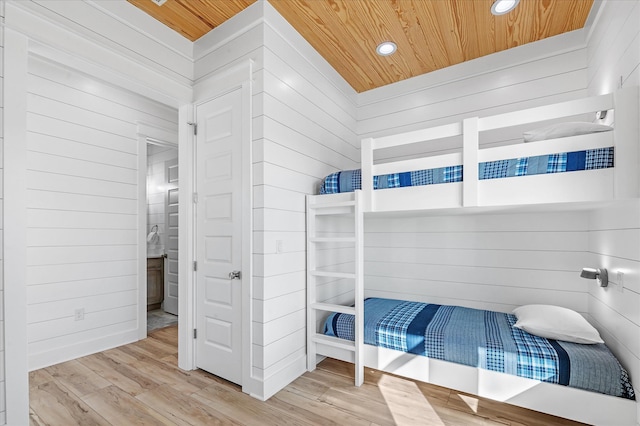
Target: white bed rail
622 181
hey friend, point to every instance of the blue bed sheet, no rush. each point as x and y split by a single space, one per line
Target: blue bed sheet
350 180
484 339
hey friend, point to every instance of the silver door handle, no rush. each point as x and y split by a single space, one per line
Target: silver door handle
234 275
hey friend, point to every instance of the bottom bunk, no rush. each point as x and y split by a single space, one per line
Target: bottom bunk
481 352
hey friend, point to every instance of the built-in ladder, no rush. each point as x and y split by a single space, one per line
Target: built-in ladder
324 206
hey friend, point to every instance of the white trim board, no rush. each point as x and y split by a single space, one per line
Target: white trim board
50 39
15 262
142 237
114 35
186 215
141 22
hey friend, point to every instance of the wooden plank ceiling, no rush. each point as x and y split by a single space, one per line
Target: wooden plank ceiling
430 34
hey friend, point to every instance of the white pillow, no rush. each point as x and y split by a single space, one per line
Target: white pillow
562 130
555 322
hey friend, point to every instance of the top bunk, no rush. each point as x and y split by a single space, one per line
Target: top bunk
570 159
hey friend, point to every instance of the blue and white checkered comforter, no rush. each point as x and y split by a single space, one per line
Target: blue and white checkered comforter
484 339
350 180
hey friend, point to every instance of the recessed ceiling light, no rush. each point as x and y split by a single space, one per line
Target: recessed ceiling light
500 7
386 48
159 2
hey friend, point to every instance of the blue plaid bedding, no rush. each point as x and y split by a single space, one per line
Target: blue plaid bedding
484 339
350 180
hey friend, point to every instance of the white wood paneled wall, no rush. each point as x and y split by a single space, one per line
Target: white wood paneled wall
308 130
614 243
613 52
82 212
485 261
2 317
613 58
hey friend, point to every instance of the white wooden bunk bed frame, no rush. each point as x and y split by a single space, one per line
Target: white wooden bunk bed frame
620 182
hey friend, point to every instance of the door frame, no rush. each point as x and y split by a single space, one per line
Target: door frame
147 133
236 77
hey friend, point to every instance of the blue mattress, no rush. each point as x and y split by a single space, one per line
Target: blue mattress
350 180
484 339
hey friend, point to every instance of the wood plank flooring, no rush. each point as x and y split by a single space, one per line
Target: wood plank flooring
141 384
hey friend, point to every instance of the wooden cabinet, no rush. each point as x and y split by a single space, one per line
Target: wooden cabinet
155 283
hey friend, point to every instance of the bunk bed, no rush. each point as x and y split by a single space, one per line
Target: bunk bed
564 164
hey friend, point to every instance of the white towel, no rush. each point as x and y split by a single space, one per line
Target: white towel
153 237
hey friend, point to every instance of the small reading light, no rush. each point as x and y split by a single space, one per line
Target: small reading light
386 48
500 7
600 115
600 275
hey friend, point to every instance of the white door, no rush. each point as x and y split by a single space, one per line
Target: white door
218 236
171 227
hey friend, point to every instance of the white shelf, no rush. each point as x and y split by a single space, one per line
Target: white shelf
329 307
346 275
332 240
330 205
334 342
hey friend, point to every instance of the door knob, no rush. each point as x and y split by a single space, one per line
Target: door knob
234 275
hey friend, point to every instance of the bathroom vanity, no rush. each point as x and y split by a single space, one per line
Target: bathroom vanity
155 282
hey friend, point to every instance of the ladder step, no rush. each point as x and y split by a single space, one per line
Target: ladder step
329 307
317 206
334 342
333 240
333 274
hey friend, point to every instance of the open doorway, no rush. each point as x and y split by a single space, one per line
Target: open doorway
162 235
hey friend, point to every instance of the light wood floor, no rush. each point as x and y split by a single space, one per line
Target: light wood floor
141 384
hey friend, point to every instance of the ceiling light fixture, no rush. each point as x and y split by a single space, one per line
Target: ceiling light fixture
159 2
500 7
386 48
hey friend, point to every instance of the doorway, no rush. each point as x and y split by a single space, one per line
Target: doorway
162 235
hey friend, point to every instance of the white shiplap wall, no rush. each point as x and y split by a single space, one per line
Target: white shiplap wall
308 131
486 261
82 212
613 52
613 58
614 243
